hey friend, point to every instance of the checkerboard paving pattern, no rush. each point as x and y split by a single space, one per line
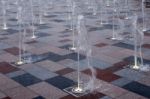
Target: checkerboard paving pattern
54 65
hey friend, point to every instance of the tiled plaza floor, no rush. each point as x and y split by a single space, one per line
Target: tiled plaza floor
56 68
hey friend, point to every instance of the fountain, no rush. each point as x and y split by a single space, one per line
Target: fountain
82 45
40 12
94 7
138 37
16 3
113 26
89 2
120 32
24 23
107 3
105 7
101 12
113 23
25 56
73 7
32 24
79 88
20 60
135 66
4 14
116 35
69 7
127 7
45 12
143 16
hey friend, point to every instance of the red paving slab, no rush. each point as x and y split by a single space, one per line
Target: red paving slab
146 46
103 75
95 95
101 44
7 68
13 50
117 66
